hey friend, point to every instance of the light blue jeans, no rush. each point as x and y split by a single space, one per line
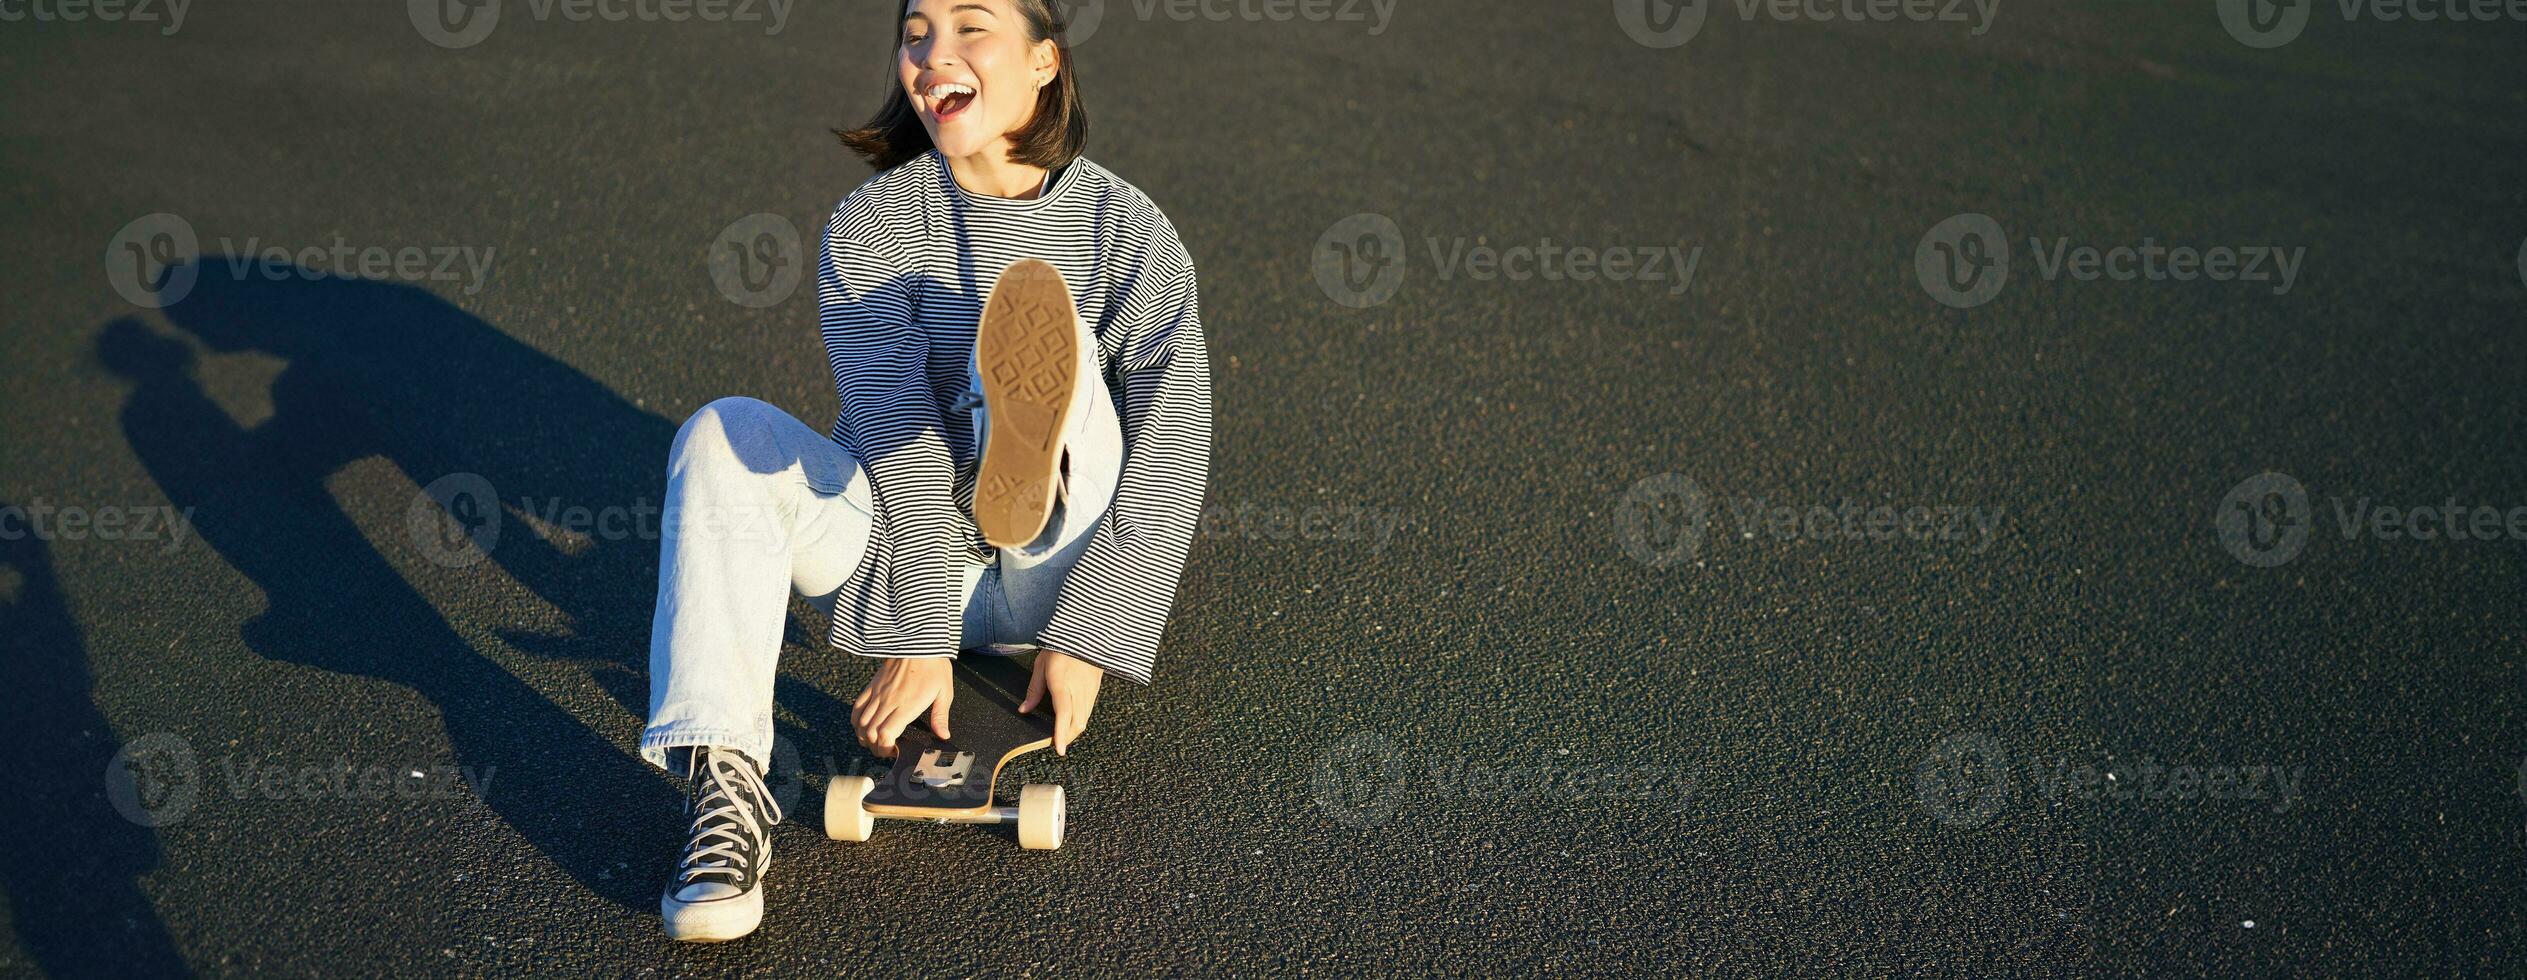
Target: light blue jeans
760 505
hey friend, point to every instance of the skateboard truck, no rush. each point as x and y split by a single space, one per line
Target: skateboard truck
938 772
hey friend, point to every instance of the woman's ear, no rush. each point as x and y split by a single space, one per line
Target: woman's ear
1046 61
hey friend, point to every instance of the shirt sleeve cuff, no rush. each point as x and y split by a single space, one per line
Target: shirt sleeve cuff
1115 659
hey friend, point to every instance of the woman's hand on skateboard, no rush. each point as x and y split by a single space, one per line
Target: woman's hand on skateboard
901 691
1071 684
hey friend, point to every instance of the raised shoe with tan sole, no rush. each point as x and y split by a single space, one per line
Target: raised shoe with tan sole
1027 352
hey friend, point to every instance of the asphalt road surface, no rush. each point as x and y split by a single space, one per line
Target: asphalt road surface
1901 592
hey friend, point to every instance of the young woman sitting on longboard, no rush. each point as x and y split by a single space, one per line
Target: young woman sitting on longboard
1020 456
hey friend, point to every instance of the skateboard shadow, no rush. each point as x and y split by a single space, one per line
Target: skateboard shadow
75 904
379 369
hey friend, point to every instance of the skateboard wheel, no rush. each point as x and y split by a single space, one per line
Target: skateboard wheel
1040 811
844 817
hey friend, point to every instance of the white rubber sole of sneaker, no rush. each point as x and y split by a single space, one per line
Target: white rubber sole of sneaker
715 921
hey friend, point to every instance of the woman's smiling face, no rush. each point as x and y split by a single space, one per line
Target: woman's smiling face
971 71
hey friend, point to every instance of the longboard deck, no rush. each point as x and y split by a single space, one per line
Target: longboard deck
935 778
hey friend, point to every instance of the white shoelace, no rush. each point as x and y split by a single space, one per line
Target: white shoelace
731 824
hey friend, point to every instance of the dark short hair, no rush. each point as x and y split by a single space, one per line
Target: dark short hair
1056 136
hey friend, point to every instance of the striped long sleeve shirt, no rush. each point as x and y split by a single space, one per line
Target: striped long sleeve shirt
906 264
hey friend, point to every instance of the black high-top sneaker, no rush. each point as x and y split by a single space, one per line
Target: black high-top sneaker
717 894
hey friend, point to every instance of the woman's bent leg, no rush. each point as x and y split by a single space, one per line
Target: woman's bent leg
1029 578
757 505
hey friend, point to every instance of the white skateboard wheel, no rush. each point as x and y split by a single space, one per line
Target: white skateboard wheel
844 817
1040 812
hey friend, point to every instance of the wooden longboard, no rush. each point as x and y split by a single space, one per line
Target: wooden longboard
935 779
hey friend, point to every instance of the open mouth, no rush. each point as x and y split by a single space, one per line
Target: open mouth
947 99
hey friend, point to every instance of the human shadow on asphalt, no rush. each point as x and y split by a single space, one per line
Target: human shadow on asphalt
76 904
379 369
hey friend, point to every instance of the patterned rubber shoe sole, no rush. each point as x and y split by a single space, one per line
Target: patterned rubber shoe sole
1028 354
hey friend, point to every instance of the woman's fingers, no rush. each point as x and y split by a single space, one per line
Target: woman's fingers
862 717
866 726
897 698
1035 687
901 717
1070 715
876 725
871 704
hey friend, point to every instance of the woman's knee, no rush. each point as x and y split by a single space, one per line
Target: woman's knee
714 431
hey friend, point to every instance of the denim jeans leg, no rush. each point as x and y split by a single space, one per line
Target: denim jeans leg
1030 578
758 505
